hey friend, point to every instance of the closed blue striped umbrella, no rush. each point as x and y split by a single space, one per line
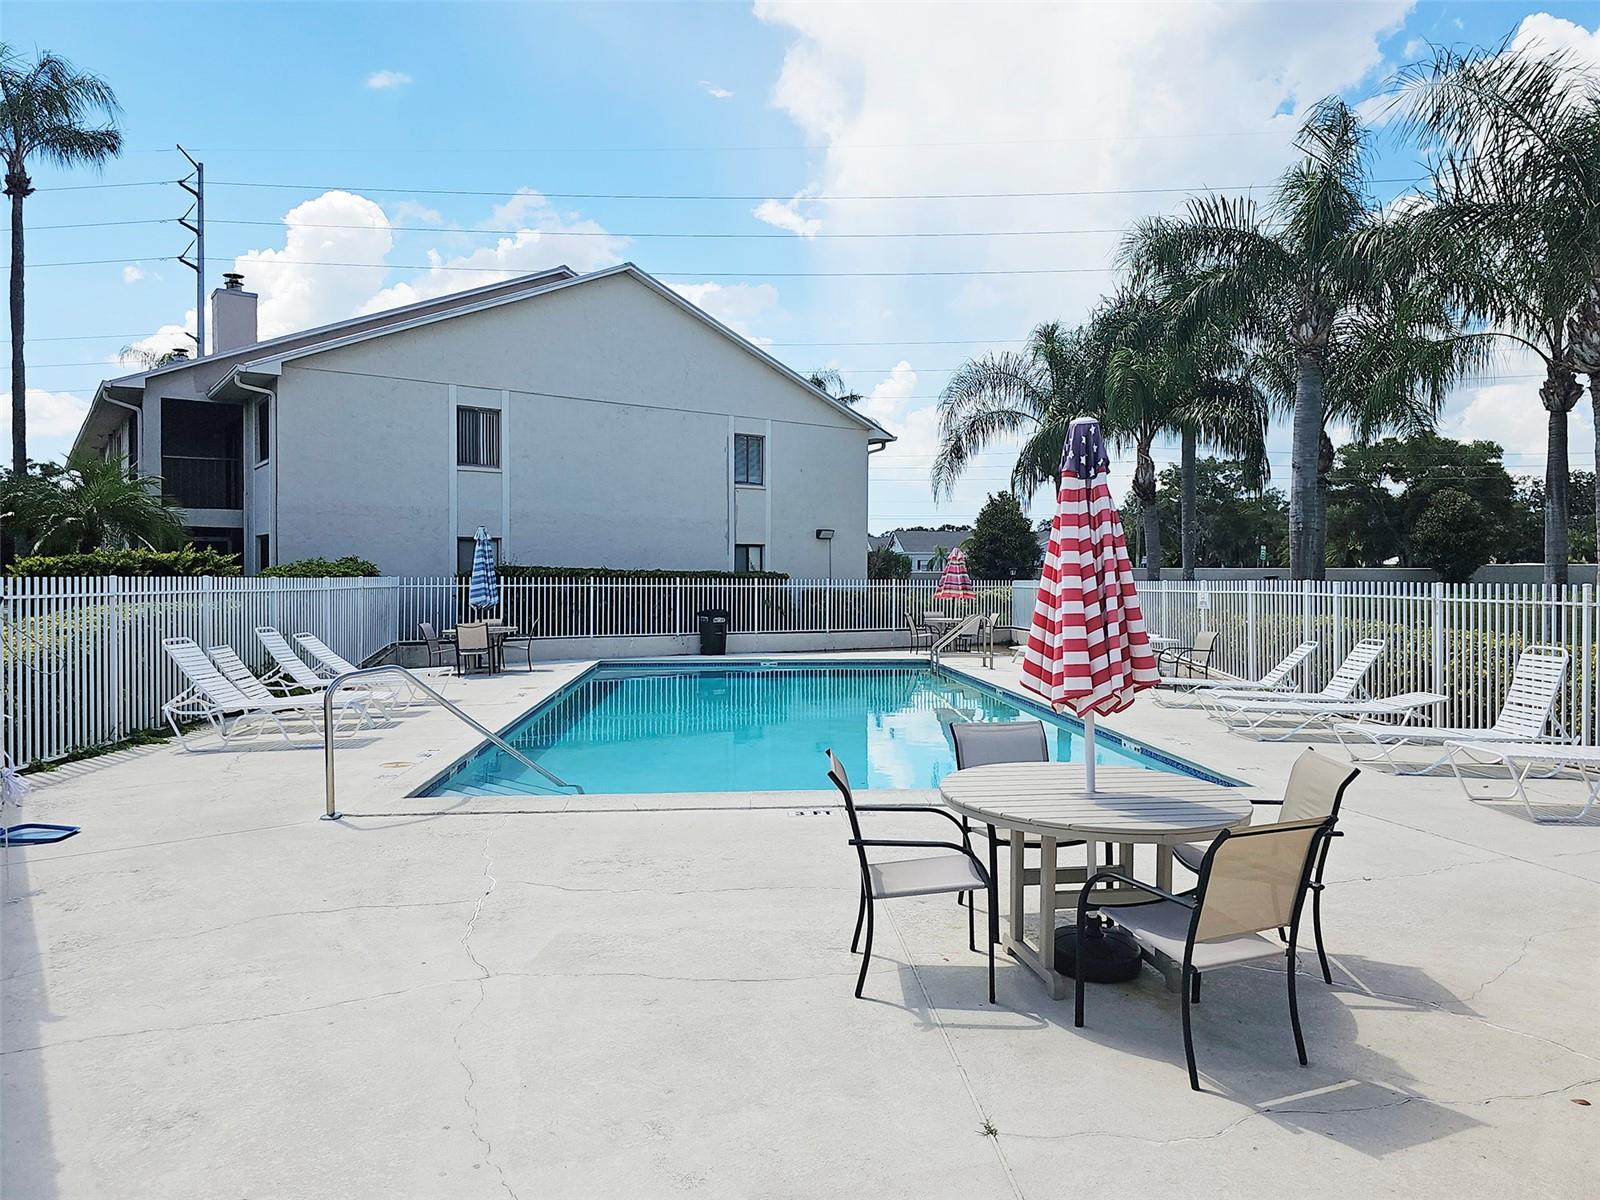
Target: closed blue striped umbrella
483 590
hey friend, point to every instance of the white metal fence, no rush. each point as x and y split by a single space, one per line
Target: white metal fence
1461 640
81 662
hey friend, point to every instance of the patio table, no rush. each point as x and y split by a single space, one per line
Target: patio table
1129 806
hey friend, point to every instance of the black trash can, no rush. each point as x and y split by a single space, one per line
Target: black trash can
713 630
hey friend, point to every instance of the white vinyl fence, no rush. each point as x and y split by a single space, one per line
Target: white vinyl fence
81 662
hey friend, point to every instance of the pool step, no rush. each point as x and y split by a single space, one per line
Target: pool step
492 788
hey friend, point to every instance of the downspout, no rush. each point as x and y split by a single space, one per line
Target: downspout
268 395
135 409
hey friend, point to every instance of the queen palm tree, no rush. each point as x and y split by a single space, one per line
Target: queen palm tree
1032 393
47 112
1303 280
827 379
1514 218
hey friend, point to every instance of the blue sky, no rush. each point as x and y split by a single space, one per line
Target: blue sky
485 138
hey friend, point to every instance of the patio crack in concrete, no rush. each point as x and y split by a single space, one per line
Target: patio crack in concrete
1527 948
482 981
986 1125
224 1021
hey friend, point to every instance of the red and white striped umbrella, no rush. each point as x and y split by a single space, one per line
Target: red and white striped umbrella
955 583
1088 650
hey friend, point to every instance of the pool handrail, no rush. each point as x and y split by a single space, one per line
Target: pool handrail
332 812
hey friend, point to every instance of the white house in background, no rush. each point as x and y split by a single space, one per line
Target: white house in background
595 420
926 548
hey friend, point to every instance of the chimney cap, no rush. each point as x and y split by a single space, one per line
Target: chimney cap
232 280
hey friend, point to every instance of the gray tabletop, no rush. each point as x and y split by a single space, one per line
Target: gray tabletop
1129 804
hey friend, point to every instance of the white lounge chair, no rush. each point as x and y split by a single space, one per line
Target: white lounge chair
1341 686
1582 759
1253 716
210 696
1526 711
1183 691
241 676
330 664
294 670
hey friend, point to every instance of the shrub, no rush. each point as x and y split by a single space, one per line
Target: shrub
516 571
348 567
884 563
190 560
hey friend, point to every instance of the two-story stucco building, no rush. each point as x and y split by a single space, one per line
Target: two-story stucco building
595 420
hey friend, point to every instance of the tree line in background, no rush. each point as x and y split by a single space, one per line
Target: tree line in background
1338 312
1423 501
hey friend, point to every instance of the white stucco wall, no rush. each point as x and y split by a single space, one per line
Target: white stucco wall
618 413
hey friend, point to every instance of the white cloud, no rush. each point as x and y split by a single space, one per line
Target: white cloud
537 245
53 420
1548 33
297 294
786 214
736 305
384 81
164 340
947 106
403 211
132 273
715 92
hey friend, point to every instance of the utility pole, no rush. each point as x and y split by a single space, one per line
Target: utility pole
195 222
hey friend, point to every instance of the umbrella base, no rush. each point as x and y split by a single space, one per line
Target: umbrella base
1108 954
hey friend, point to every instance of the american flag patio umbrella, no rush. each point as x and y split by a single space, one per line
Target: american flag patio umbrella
1088 650
483 589
955 583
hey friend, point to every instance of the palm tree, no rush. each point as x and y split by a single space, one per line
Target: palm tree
1160 382
1303 281
1033 393
1514 218
826 379
90 504
45 112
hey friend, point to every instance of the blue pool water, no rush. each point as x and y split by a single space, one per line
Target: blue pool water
756 727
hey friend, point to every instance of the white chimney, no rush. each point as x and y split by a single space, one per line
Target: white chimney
233 315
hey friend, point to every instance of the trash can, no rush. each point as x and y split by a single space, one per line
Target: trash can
713 630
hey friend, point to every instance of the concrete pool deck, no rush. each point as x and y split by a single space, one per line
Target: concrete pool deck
212 993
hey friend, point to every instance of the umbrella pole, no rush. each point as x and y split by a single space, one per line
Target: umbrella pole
1088 752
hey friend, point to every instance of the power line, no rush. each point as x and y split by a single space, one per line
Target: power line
741 197
90 187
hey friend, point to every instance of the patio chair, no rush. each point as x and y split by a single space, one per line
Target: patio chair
1529 704
919 633
1251 882
525 640
211 697
1342 685
1184 691
1253 716
1315 790
473 642
331 664
438 652
957 871
1188 661
982 743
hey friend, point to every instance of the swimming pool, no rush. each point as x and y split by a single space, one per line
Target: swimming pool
761 726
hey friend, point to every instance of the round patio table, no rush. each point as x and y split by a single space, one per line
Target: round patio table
1129 806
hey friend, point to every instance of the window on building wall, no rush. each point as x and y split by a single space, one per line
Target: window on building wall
263 430
477 437
464 551
749 558
263 551
749 459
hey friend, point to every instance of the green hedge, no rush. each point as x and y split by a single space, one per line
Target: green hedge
514 571
348 567
187 561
